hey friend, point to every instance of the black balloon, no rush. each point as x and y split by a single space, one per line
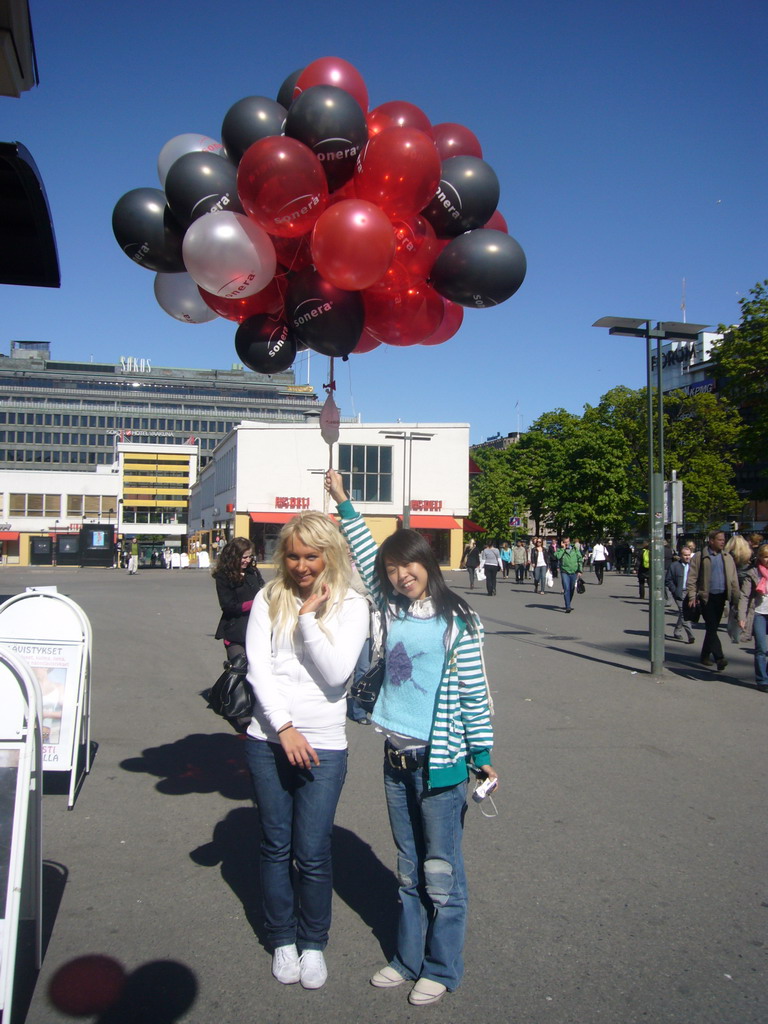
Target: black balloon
285 95
265 345
147 231
200 183
247 121
323 317
331 122
479 269
466 197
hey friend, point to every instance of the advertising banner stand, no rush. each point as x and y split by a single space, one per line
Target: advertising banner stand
21 790
52 636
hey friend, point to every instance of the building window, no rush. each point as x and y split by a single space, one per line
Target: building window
367 471
35 505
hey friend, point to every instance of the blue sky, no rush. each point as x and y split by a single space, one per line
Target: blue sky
629 141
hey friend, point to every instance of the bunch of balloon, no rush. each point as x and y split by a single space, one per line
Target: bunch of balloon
319 223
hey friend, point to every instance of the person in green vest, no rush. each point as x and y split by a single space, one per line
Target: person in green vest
570 561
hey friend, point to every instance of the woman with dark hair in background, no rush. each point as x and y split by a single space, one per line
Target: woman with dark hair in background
238 581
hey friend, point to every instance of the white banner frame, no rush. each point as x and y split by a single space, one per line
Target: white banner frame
52 635
20 749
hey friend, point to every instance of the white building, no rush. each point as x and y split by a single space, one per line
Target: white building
144 494
262 474
686 365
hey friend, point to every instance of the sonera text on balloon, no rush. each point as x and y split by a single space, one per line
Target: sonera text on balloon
302 212
240 288
339 154
326 307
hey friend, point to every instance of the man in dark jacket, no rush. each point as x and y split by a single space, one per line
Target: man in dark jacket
675 581
713 580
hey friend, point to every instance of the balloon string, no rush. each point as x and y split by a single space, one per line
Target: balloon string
330 387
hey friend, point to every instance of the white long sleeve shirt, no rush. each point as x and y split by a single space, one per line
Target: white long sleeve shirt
301 678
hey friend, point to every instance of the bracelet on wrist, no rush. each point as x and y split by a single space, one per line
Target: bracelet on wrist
284 727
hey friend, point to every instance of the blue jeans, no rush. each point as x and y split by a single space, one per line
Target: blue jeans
427 828
761 660
296 811
540 578
569 585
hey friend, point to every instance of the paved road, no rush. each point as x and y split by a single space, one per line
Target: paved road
622 881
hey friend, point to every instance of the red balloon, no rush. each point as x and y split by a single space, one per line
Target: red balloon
397 279
333 71
398 170
268 300
398 114
497 223
293 253
282 185
367 343
452 321
455 140
417 247
403 318
353 244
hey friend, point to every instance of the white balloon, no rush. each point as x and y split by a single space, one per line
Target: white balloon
190 142
177 294
229 255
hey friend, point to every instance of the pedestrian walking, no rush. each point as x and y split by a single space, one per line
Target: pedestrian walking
599 559
643 567
506 558
472 561
434 707
753 613
570 561
540 565
713 580
490 559
676 581
520 561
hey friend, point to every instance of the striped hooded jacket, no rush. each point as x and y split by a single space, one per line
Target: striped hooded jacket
461 725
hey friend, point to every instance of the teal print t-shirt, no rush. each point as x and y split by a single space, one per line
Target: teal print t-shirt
414 667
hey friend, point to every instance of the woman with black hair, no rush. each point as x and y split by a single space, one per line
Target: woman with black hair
238 581
435 709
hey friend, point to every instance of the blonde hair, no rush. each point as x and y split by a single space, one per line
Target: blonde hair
739 548
317 531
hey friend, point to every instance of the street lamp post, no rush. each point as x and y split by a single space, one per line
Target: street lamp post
407 437
661 332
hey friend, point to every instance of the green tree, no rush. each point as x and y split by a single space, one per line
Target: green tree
490 495
531 461
741 366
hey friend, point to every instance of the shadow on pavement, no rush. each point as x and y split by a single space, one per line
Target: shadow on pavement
200 763
360 879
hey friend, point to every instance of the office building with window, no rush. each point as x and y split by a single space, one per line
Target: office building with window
144 495
263 474
71 416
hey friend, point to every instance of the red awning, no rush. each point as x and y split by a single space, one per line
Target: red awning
433 523
8 535
471 527
272 517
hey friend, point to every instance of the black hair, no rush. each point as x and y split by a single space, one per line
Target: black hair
406 546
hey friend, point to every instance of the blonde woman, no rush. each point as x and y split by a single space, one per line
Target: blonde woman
305 633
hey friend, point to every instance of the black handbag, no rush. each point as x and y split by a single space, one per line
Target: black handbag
366 690
691 612
231 695
580 588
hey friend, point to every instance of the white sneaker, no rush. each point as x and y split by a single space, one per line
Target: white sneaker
314 973
285 965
